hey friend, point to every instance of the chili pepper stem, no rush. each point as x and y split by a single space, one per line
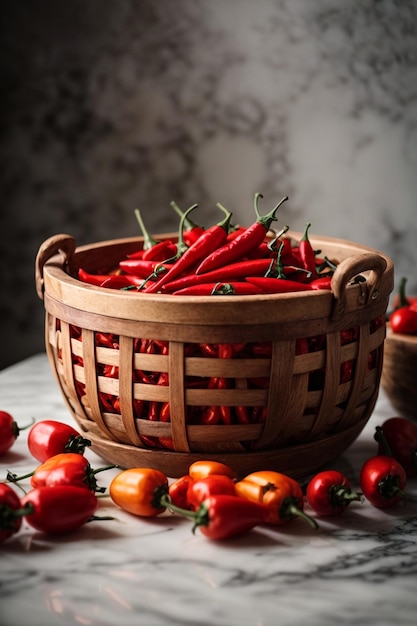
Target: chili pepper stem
389 487
339 495
16 428
381 439
78 443
269 217
199 517
291 510
106 467
14 478
402 298
148 240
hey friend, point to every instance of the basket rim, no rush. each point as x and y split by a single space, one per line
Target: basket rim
54 280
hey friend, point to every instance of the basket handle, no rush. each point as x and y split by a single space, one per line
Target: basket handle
50 247
351 267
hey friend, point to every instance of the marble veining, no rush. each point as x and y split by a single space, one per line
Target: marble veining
359 568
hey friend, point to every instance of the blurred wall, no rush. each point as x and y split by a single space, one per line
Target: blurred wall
109 105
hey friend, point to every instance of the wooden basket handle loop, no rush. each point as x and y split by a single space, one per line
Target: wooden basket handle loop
351 267
57 243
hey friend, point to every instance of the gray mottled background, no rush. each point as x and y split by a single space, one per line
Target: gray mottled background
109 105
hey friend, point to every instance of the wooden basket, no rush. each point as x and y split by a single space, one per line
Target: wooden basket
302 411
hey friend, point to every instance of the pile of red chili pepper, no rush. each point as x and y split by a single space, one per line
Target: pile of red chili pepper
62 497
403 318
63 490
220 260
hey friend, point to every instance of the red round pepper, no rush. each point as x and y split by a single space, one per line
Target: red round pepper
48 438
382 481
200 490
404 320
10 512
397 437
224 516
68 468
9 431
56 510
329 493
178 490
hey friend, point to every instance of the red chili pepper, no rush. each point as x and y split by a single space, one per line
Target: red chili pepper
382 481
307 254
48 438
10 508
281 494
211 415
322 282
178 490
57 510
221 382
140 268
232 272
111 281
210 240
277 285
244 243
153 249
397 437
329 493
200 490
124 281
92 279
9 431
220 289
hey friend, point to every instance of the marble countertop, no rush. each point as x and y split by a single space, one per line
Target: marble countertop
359 568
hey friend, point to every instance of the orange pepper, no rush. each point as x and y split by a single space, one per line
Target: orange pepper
202 469
280 493
141 491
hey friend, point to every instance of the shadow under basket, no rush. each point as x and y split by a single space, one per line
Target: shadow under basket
284 382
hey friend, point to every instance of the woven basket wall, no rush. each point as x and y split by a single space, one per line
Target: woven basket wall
135 369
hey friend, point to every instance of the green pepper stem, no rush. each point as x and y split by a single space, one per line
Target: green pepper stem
16 428
166 501
148 240
340 495
402 298
289 510
188 224
14 478
389 487
266 220
382 440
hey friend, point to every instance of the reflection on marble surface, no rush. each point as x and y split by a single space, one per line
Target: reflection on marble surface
359 568
125 104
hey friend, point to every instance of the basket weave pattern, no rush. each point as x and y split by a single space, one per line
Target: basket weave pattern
255 387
